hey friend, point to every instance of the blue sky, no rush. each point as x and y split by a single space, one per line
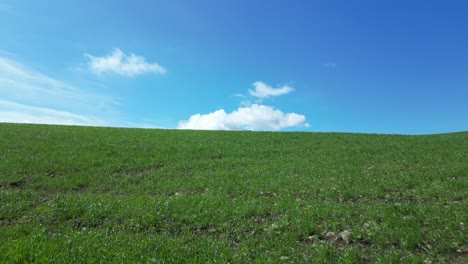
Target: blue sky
336 66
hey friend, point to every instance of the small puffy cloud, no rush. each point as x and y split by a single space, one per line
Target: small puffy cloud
253 117
122 64
263 90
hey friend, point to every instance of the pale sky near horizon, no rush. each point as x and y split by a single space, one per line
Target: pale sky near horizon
301 65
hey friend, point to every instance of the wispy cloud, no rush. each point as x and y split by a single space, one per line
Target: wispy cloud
120 63
330 64
33 97
6 53
253 117
12 112
239 95
262 90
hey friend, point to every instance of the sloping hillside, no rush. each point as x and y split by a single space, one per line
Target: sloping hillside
87 195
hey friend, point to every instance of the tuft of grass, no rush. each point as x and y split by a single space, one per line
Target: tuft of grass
88 194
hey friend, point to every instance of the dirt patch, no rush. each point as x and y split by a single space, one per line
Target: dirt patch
18 184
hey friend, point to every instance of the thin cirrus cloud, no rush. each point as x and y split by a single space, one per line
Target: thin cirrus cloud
330 64
12 112
122 64
29 96
254 117
262 90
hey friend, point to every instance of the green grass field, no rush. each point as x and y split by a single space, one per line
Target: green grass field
109 195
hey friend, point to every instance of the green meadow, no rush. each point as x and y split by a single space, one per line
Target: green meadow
112 195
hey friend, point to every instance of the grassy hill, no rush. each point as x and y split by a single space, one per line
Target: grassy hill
90 195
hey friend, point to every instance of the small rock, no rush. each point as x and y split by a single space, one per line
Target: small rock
427 261
463 250
330 236
345 235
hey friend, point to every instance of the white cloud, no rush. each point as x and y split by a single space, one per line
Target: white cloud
122 64
28 96
143 125
253 117
263 90
21 84
12 112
